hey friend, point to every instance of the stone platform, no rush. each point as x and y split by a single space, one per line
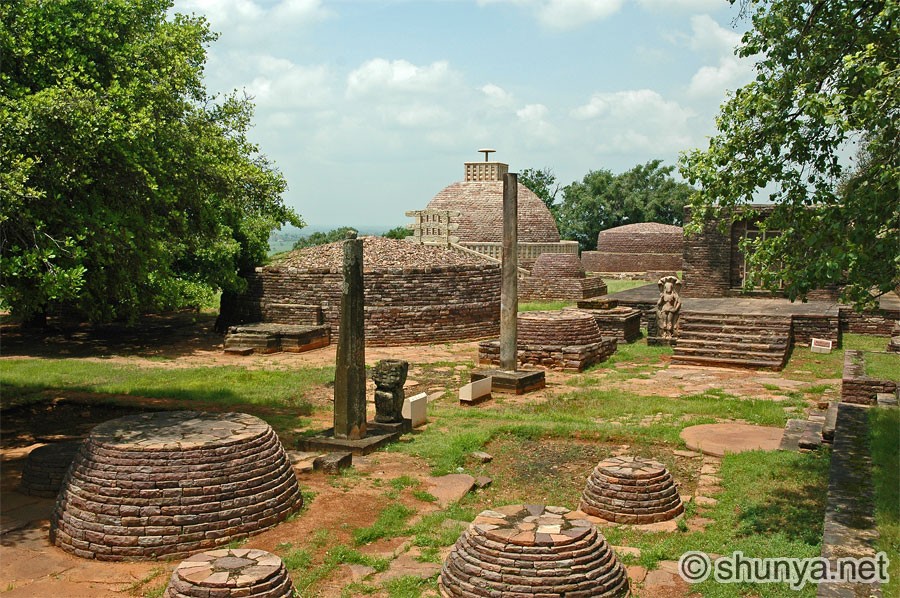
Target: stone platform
568 340
717 439
631 490
273 338
45 468
621 323
171 483
377 436
231 573
532 550
504 381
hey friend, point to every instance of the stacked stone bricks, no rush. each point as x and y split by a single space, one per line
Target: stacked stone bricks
631 490
568 340
532 550
559 276
172 483
46 467
480 204
640 247
856 386
238 572
414 293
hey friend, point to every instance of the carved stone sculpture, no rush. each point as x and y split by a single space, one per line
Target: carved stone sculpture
389 376
668 307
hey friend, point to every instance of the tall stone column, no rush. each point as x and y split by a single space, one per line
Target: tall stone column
350 370
509 289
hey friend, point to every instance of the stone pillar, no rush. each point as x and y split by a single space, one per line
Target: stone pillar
350 370
509 292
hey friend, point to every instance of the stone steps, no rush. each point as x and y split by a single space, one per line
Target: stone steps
733 340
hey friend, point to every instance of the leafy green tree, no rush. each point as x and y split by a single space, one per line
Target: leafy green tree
542 183
398 232
125 187
319 238
827 78
602 200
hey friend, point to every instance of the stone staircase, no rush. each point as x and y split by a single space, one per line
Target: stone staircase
733 340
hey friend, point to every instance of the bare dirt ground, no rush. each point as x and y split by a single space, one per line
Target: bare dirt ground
30 566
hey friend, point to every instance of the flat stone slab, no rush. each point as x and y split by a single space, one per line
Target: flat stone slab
450 488
718 439
231 572
326 442
518 382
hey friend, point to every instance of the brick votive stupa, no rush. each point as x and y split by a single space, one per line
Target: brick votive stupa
46 466
631 490
227 573
567 340
171 483
525 550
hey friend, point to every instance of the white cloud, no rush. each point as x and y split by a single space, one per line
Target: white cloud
682 5
380 76
635 120
535 126
709 36
565 14
712 40
730 74
282 84
496 96
251 19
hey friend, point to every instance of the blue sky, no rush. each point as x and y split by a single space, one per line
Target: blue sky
370 107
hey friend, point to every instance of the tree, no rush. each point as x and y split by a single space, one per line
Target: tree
398 232
542 183
827 79
319 238
602 200
125 187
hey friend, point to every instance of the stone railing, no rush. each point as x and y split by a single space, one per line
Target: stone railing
528 252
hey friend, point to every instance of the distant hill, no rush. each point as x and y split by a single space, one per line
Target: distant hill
284 239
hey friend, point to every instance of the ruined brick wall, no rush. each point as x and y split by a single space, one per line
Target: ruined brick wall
572 358
878 322
707 262
641 247
403 306
806 328
560 289
858 388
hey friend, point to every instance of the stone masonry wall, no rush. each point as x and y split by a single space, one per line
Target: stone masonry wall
858 388
558 289
877 322
403 306
707 262
806 328
598 261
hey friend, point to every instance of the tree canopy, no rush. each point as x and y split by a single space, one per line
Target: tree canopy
827 81
542 183
602 200
322 238
125 186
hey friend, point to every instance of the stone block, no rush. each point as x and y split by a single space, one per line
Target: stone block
415 409
820 345
475 392
333 462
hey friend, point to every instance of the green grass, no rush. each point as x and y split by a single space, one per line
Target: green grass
391 522
544 305
409 586
883 366
885 447
26 379
614 285
773 505
808 366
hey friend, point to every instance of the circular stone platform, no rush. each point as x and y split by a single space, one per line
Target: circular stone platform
631 490
523 550
231 572
717 439
172 483
46 466
556 328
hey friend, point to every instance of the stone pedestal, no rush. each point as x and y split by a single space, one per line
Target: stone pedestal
231 573
525 550
518 382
